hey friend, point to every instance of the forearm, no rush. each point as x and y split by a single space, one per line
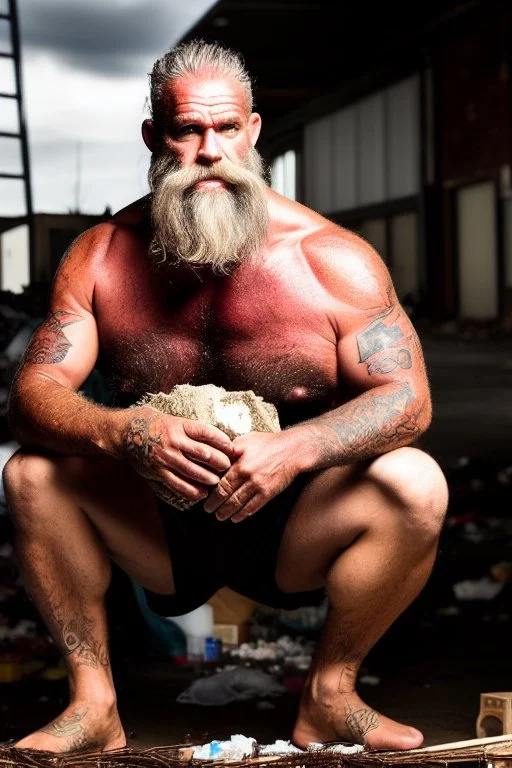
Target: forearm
46 414
380 420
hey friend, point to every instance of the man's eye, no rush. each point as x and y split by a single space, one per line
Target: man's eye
184 130
229 128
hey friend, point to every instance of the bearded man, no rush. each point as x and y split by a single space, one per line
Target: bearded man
216 279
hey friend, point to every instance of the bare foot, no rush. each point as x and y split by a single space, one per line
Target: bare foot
80 728
345 717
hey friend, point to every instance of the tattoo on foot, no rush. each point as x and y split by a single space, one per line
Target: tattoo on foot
49 344
360 722
142 435
69 728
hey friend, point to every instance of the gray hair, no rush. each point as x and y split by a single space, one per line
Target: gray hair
190 59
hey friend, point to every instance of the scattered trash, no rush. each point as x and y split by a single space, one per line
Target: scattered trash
369 680
478 589
236 748
238 684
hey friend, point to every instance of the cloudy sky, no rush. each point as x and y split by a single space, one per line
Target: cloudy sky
85 73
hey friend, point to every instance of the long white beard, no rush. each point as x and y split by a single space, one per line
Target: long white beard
217 227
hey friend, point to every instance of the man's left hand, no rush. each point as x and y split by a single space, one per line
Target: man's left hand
267 463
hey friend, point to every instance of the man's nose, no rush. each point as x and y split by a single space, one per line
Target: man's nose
209 151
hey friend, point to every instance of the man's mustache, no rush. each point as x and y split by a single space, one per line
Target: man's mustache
184 179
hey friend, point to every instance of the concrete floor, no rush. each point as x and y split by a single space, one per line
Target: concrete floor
432 668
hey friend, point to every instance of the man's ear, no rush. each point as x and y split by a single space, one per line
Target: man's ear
254 127
148 134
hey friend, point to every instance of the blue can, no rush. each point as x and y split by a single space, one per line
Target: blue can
212 649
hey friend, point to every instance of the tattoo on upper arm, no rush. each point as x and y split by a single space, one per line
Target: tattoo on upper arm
383 346
49 344
394 358
376 337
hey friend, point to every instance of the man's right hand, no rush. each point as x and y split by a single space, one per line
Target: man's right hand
186 456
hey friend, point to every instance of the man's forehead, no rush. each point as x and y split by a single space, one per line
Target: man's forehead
208 91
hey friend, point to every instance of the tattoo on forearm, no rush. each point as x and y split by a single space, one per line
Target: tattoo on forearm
360 722
370 424
142 436
49 344
69 727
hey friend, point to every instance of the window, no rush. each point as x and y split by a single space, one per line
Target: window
284 174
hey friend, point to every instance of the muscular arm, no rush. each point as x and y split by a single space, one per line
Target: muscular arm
45 408
379 357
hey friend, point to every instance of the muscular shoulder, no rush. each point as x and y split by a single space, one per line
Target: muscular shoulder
348 267
88 256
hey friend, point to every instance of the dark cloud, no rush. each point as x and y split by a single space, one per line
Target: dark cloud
106 36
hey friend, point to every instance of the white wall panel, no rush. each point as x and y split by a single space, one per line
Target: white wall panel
344 159
370 119
402 139
318 165
404 247
476 217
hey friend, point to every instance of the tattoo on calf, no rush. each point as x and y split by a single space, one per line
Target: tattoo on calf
360 722
142 435
49 344
77 638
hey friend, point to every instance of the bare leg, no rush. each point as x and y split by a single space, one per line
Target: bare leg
64 540
370 536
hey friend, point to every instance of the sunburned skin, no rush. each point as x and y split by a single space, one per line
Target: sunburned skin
309 321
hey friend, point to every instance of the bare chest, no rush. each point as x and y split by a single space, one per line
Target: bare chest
263 340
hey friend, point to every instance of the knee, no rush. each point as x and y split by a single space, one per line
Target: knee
415 480
24 477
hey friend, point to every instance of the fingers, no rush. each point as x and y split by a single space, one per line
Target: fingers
205 433
205 454
180 486
237 503
191 471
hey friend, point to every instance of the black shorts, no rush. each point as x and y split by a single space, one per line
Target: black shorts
208 554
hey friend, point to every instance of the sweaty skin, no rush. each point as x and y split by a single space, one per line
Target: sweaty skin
312 325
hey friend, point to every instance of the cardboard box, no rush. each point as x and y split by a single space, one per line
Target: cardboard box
232 634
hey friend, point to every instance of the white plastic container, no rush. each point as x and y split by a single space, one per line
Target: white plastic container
197 626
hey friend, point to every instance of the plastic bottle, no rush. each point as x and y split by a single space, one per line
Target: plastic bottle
197 626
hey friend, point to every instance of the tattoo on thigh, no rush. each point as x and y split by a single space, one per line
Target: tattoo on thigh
360 722
69 727
142 436
49 344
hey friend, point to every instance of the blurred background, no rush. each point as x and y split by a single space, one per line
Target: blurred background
394 121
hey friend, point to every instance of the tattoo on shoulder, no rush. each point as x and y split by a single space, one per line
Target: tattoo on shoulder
49 344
